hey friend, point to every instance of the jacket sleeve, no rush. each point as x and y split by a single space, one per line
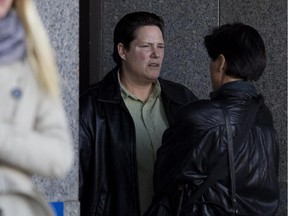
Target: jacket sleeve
86 142
182 145
45 148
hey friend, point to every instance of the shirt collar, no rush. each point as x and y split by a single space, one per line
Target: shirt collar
125 93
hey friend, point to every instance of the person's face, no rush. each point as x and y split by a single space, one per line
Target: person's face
143 59
5 6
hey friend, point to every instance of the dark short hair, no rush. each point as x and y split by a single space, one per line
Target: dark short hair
242 47
127 25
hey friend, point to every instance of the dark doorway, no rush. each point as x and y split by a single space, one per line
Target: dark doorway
90 43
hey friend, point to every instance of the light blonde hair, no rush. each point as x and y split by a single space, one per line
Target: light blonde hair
39 51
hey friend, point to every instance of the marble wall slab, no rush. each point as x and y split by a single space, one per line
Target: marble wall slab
61 19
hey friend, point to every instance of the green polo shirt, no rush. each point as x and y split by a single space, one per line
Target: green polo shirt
150 122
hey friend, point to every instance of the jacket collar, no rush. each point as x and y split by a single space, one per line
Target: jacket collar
244 90
110 90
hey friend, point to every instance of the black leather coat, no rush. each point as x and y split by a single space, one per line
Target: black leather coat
108 169
194 145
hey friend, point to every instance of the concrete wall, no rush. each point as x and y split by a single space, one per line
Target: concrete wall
186 61
61 19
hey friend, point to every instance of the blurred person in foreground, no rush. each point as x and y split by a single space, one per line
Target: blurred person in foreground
122 119
221 155
33 130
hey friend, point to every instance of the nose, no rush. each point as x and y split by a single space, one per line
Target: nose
155 53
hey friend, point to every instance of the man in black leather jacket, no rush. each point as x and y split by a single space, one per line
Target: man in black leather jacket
246 182
122 119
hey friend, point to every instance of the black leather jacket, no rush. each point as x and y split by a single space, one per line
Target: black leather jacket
108 169
194 145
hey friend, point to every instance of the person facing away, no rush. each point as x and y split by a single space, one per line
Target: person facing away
122 119
34 133
197 141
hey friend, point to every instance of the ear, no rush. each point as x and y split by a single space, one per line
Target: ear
222 63
121 51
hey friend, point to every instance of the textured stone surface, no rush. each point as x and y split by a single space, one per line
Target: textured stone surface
61 21
71 208
282 211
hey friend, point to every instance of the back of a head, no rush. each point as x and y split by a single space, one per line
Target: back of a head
242 47
127 25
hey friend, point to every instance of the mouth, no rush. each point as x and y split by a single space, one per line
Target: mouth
154 65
